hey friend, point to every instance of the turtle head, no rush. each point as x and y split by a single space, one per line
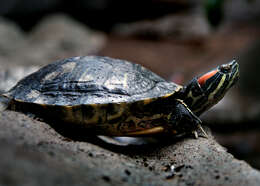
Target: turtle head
206 90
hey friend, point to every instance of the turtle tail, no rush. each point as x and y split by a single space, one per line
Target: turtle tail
4 102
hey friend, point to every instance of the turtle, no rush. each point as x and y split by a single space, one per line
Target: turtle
115 97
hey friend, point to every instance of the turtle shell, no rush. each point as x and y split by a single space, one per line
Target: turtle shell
111 96
91 80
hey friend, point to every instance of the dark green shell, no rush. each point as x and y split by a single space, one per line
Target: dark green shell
110 96
91 80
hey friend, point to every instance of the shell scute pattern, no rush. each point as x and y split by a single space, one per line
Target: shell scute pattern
91 80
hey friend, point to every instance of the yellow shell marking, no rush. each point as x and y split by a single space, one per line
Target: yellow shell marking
39 100
69 114
125 81
50 76
137 120
154 130
97 112
85 77
120 108
147 101
167 95
68 67
33 94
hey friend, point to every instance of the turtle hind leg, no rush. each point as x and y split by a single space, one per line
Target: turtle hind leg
4 102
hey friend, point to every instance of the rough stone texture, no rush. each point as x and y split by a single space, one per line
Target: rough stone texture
32 153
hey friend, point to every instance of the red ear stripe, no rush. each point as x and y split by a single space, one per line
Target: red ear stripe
206 76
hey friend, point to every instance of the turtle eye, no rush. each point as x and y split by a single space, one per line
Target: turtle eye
226 68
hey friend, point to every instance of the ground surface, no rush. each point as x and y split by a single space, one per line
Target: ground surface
32 153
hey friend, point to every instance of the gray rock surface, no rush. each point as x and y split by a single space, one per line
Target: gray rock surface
32 153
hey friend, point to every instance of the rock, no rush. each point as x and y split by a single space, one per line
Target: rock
31 149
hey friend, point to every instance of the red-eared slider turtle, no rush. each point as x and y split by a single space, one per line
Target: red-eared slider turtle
118 98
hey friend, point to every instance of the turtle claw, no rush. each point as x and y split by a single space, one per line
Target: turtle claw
195 134
203 131
204 134
199 122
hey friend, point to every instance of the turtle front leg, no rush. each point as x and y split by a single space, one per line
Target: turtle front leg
183 113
